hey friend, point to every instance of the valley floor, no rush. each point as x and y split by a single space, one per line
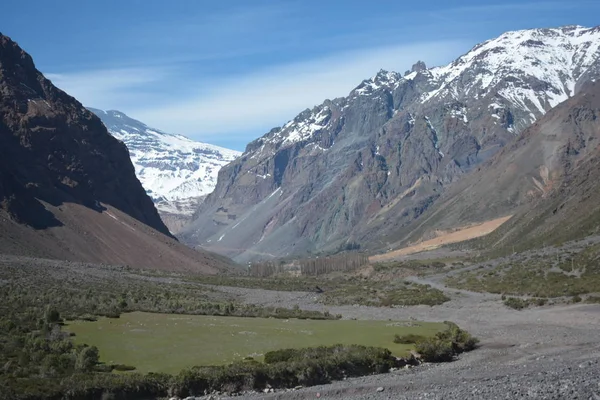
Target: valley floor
548 352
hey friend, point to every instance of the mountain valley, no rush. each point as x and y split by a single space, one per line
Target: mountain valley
432 235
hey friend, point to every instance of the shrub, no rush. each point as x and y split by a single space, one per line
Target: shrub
123 367
435 350
87 358
285 368
515 303
52 315
408 339
541 302
446 344
593 299
282 355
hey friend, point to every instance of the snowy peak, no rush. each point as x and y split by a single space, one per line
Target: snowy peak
527 71
535 69
172 168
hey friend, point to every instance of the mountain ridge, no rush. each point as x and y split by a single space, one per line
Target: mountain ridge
363 166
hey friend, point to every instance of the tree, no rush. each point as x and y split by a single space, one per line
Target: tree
52 315
87 358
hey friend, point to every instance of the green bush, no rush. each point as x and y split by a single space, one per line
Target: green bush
516 303
285 368
408 339
123 367
445 345
435 350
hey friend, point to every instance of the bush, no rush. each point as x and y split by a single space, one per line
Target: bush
87 358
408 339
516 303
446 344
282 355
123 367
435 350
285 368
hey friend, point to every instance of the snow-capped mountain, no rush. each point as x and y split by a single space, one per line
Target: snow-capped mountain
175 171
364 166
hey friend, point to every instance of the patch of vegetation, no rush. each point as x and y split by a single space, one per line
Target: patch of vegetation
446 345
593 300
408 339
40 360
413 267
384 294
168 343
550 276
306 367
516 303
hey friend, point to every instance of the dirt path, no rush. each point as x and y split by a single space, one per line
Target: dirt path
460 235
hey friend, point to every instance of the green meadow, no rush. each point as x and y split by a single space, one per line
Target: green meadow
170 342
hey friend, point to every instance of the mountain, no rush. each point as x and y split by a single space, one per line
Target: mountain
176 172
361 168
68 189
548 178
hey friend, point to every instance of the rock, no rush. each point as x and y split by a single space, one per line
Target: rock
380 389
585 364
418 66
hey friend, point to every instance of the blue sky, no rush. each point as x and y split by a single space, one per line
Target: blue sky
225 72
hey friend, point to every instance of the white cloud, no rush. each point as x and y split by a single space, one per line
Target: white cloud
243 107
256 102
108 88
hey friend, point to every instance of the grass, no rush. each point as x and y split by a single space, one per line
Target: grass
168 343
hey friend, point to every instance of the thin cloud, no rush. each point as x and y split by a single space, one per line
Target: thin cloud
109 88
256 102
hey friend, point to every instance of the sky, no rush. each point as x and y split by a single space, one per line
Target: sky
226 72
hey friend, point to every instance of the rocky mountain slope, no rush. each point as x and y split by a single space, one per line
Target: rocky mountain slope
176 172
548 178
360 168
68 189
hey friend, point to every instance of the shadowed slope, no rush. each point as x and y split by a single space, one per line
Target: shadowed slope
61 176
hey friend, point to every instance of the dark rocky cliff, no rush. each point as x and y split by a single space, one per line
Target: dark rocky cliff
53 150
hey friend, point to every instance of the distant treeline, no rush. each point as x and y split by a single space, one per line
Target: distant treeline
266 268
343 262
312 266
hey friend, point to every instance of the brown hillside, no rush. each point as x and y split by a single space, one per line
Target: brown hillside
67 188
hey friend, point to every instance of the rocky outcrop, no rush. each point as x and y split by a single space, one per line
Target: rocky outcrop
362 168
67 187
